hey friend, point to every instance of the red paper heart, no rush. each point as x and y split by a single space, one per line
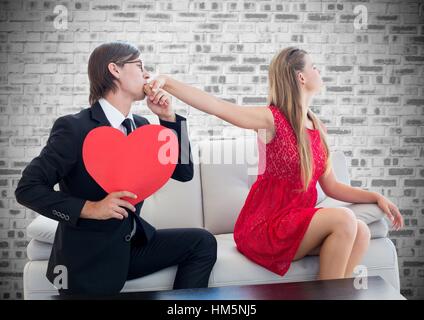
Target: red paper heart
141 162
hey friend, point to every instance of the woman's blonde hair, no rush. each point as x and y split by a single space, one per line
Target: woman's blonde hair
284 93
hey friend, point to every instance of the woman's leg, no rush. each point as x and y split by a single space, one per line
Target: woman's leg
360 246
335 230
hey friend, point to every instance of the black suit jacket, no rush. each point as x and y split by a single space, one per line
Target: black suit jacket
96 253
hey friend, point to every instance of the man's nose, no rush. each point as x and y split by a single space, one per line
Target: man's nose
146 75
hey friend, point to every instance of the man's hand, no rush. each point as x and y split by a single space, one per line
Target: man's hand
112 206
159 101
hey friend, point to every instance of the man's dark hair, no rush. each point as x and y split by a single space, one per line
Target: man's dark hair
101 80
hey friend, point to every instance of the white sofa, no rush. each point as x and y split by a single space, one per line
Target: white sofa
212 200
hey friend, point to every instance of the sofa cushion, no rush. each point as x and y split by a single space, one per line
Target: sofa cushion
225 168
42 229
231 268
37 250
378 229
177 204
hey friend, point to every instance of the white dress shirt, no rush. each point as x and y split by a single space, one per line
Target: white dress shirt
115 116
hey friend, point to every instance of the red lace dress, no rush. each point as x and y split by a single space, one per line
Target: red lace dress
275 217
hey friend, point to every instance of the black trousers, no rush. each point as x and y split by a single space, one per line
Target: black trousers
193 250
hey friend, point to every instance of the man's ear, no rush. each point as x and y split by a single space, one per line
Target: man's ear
114 70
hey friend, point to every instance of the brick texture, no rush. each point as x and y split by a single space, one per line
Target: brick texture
373 104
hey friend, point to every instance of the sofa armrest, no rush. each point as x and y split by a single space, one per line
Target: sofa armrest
367 212
370 213
379 229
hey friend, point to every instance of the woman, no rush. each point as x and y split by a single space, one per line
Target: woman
279 222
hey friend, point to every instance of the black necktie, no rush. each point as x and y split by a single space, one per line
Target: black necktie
127 124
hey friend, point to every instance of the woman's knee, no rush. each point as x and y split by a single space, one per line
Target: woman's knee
363 234
345 223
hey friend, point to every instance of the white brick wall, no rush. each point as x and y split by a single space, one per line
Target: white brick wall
373 104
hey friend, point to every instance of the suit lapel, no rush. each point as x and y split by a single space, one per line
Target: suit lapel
98 115
139 121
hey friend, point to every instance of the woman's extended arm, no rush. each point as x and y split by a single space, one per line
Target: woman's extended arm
244 117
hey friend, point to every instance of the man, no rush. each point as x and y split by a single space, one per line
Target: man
101 239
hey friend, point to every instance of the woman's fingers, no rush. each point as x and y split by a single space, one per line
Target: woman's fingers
158 96
147 90
164 101
154 95
161 98
395 218
389 214
402 224
152 84
156 85
398 217
392 212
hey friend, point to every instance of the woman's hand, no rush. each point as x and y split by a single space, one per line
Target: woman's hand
158 100
154 91
391 211
155 84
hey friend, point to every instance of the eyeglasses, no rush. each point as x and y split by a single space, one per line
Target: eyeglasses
135 61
